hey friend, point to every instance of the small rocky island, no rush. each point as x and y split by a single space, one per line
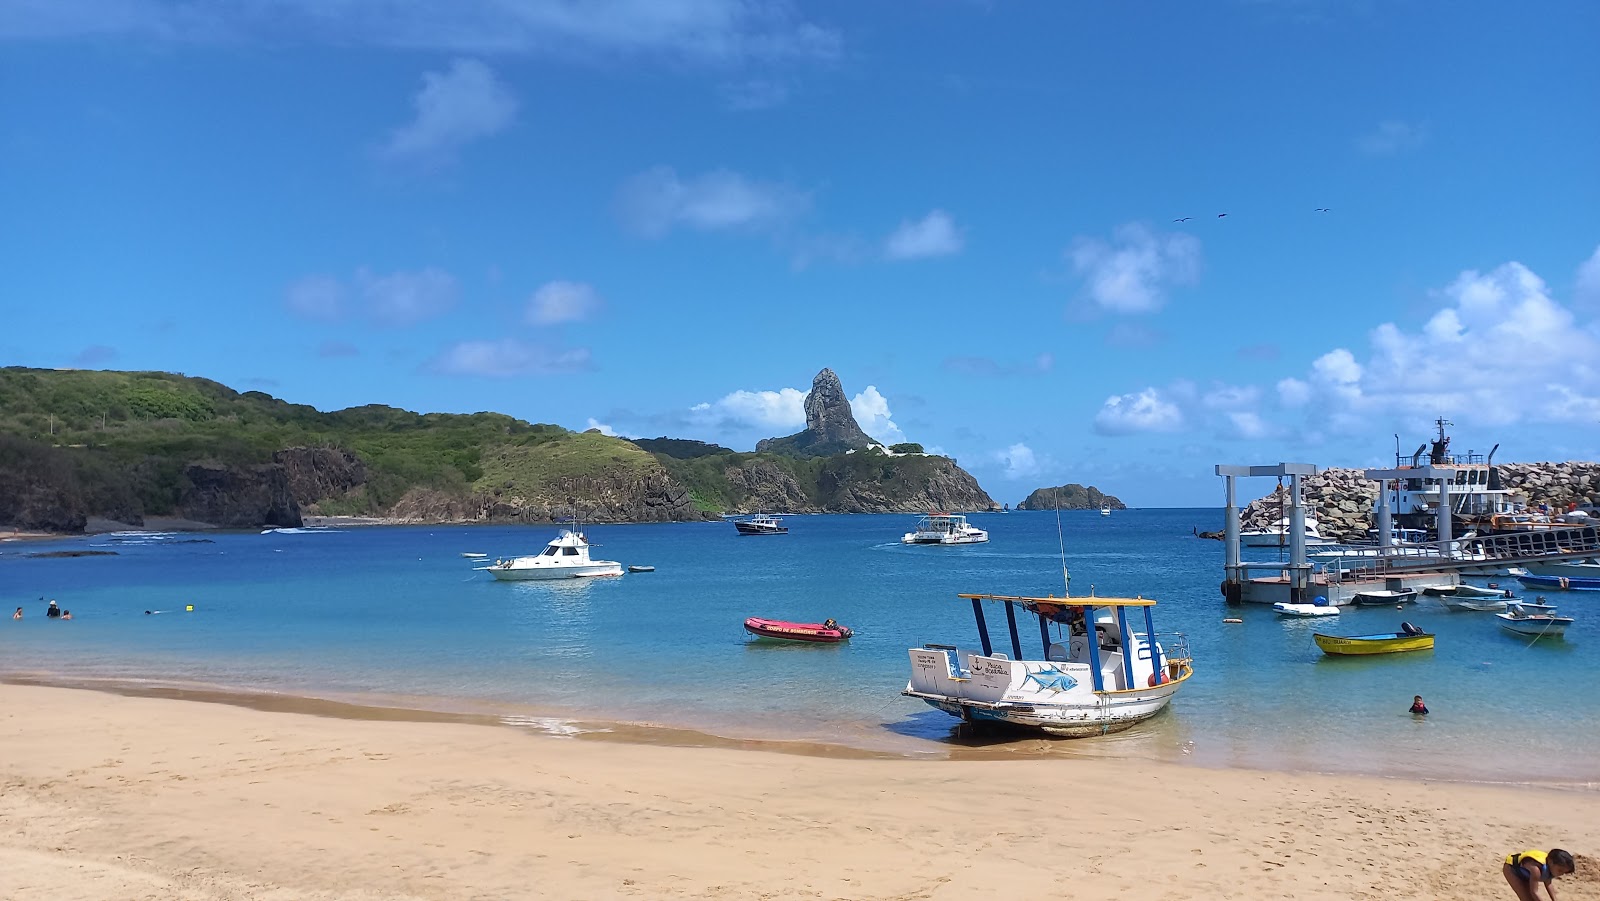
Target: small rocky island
1071 496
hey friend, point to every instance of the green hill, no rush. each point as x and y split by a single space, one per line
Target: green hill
124 446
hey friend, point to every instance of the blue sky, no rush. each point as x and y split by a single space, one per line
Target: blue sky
664 217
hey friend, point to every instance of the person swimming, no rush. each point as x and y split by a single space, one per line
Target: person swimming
1417 707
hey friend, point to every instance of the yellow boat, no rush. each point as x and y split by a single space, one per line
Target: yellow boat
1408 639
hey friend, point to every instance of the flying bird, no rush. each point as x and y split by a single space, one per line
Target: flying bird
1320 209
1184 219
1220 215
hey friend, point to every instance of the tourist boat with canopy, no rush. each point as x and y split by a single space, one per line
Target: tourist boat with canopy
1409 638
1085 680
761 524
1278 535
565 557
944 528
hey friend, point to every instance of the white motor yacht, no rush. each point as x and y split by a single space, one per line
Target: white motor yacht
565 557
944 528
1277 535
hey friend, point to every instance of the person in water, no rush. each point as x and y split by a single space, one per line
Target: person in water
66 614
1530 871
52 611
18 614
1418 707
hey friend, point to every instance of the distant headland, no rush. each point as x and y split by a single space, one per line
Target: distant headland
80 447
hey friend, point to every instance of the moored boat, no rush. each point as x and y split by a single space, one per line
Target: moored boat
1384 597
565 557
1473 604
826 632
944 528
1278 535
1323 609
1086 680
1105 509
1409 638
1561 583
1544 623
762 524
641 568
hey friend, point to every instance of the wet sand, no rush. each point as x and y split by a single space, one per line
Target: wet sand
137 797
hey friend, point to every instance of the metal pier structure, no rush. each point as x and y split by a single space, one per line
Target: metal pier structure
1391 566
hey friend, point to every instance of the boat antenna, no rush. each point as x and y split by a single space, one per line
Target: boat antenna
1061 539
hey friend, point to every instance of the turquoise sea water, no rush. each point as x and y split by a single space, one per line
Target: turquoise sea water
396 615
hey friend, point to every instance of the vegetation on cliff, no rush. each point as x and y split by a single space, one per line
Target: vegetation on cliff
118 444
1070 497
126 445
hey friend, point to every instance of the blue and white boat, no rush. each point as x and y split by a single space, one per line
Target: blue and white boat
1080 681
1560 583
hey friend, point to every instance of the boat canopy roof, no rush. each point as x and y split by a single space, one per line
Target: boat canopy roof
1090 601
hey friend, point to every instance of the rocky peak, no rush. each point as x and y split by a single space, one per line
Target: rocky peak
830 426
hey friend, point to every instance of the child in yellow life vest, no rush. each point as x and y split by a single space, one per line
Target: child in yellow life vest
1530 872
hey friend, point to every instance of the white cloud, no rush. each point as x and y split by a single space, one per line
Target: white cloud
653 202
316 297
1499 351
454 108
1293 393
406 298
557 302
1133 272
506 358
705 31
602 427
1146 411
1392 137
1018 460
1586 293
781 409
1246 424
934 235
871 410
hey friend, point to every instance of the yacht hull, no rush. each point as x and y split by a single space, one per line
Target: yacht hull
551 573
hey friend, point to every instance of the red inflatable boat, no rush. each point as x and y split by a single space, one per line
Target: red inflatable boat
825 633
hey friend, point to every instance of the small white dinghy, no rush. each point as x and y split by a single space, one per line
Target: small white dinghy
1283 609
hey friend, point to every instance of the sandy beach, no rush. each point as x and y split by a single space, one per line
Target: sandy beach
115 797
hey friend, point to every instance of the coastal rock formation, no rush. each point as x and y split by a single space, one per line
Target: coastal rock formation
238 497
870 482
1070 497
830 426
651 498
762 485
1339 499
39 491
320 473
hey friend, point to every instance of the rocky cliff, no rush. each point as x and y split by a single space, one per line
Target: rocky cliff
831 427
1070 497
652 498
317 474
238 497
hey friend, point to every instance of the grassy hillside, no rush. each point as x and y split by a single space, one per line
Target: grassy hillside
135 431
